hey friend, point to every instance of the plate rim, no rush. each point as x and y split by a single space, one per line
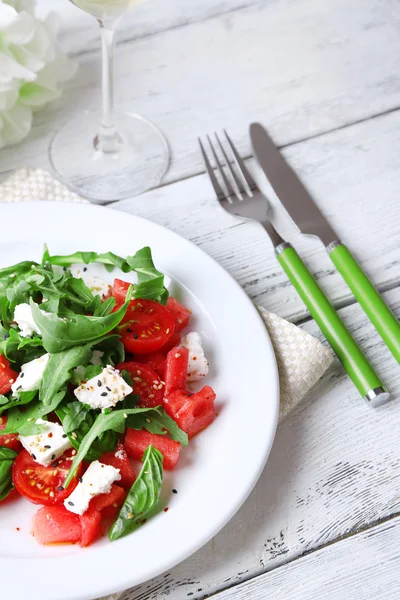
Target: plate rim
128 581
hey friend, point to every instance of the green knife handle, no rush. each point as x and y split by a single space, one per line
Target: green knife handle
343 344
369 298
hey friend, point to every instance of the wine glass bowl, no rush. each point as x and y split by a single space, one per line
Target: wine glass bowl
105 155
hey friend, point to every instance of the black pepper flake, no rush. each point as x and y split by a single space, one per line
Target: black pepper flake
174 491
47 446
135 336
129 330
104 394
33 456
99 383
53 456
59 488
107 388
71 503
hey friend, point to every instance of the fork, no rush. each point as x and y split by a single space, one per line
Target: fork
240 196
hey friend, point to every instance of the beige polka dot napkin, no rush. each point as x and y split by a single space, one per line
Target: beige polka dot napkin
302 360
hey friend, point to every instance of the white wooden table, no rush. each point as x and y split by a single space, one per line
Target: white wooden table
323 521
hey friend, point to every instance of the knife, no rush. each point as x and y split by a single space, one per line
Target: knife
309 219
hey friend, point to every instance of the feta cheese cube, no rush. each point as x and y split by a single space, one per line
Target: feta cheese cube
198 364
24 319
104 390
30 376
47 446
97 480
97 286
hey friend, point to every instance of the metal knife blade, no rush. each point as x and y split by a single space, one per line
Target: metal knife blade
288 187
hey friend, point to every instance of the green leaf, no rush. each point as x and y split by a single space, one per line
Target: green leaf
109 259
105 307
113 350
114 421
58 370
16 270
61 333
23 398
158 422
24 422
142 497
77 420
7 457
150 281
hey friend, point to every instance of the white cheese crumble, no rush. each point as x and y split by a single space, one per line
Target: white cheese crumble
24 319
97 286
104 390
97 480
48 445
30 376
198 364
120 453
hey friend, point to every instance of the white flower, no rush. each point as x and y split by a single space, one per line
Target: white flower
31 66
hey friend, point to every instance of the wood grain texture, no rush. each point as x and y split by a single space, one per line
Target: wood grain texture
363 567
353 174
300 67
334 468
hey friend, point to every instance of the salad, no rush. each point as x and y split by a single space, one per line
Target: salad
92 377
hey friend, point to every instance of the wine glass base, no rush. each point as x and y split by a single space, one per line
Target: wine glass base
138 163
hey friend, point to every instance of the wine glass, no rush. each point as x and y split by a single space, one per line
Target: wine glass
105 155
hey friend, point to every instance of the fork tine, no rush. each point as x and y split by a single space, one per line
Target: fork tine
249 180
237 180
215 183
228 185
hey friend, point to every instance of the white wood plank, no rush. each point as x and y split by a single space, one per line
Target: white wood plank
334 468
298 66
353 174
363 567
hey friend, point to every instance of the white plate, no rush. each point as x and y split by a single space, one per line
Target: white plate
218 469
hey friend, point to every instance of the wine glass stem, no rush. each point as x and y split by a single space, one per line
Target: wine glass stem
108 139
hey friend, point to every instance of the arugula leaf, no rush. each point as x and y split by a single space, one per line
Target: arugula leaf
109 259
58 370
7 457
23 398
77 420
24 422
113 350
142 497
114 421
150 281
61 333
105 307
18 269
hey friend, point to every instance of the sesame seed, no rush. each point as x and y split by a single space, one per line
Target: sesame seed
33 456
53 456
125 415
84 269
167 330
47 446
129 330
107 388
71 503
139 372
135 336
19 387
148 420
99 383
177 355
55 464
130 515
21 375
51 494
30 419
104 394
80 479
59 488
174 491
65 435
74 436
73 452
151 395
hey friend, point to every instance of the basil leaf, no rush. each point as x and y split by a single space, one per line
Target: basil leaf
7 457
59 334
159 422
24 422
142 497
150 281
115 421
58 370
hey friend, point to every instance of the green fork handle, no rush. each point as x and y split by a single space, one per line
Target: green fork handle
353 360
368 297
